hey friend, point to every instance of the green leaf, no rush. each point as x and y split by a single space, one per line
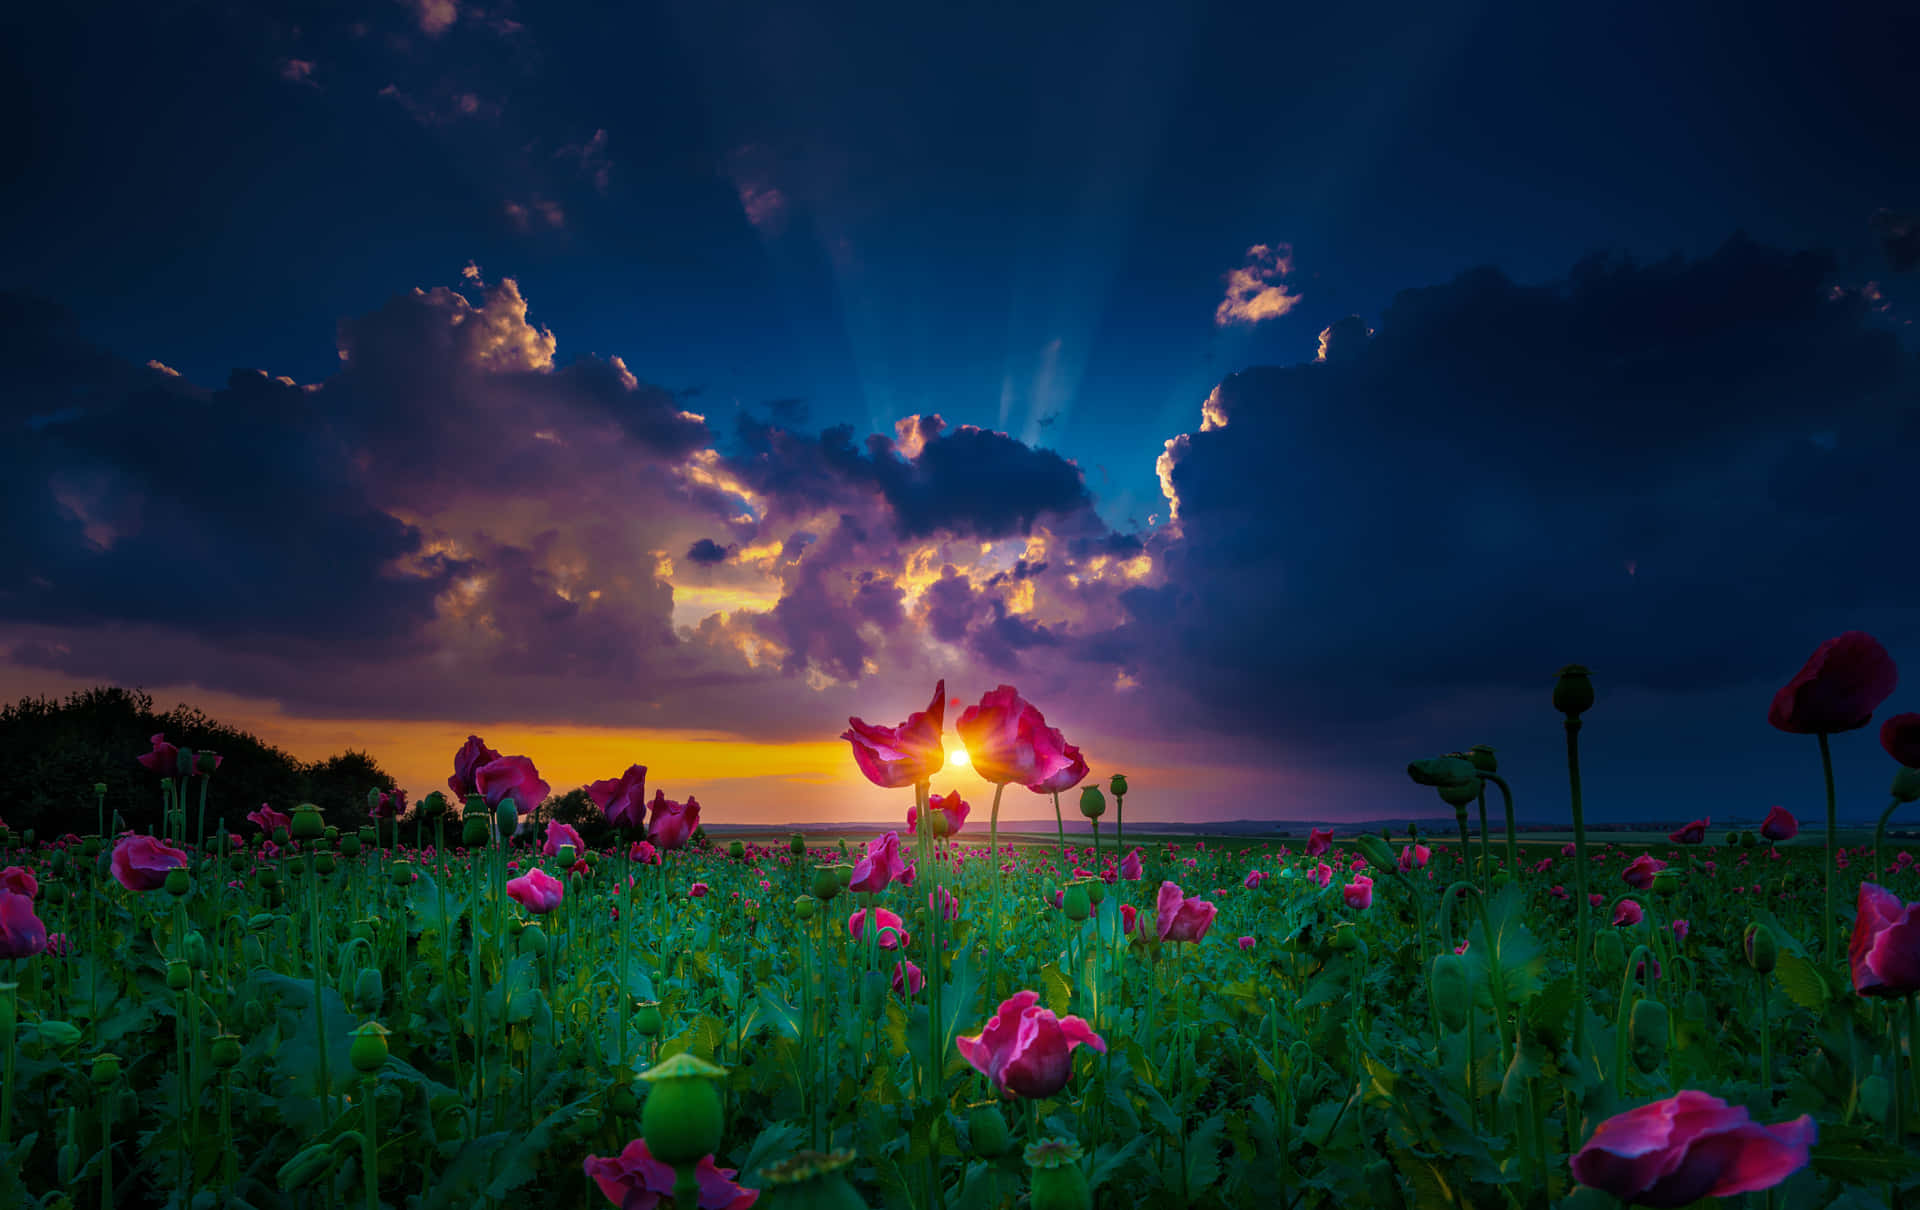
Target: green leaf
1056 992
1203 1154
784 1018
1801 980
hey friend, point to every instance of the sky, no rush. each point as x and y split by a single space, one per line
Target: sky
1274 396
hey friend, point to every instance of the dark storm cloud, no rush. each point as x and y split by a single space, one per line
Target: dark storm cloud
708 553
1630 468
1899 232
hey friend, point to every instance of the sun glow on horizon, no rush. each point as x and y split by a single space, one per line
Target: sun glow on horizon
958 759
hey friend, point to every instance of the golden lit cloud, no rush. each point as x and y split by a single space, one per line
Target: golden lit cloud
1254 290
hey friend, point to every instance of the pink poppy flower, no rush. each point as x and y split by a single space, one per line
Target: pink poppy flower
1321 874
1558 891
946 814
140 863
699 891
1687 1147
537 891
511 777
1693 833
1900 736
561 834
1026 1050
1319 840
1680 930
22 933
634 1180
877 870
1130 866
1066 777
672 824
892 757
1842 683
892 933
1129 916
1884 953
943 904
1639 875
1181 918
1627 911
1414 857
20 881
466 762
1359 892
268 819
164 759
1008 740
908 979
623 799
1246 943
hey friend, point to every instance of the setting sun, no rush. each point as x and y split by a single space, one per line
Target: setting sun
958 758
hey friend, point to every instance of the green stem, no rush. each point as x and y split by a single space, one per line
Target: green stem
9 1024
319 963
1486 869
1879 838
1581 905
1060 826
1766 1041
1833 833
1513 842
369 1148
993 860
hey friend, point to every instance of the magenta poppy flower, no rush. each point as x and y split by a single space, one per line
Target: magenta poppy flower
893 934
1322 874
1130 866
1639 874
20 881
623 799
22 934
164 759
561 834
1319 840
1687 1147
892 757
1842 683
1627 911
908 979
1246 943
1252 880
699 891
1680 929
1008 740
268 819
943 904
390 806
466 762
1358 893
673 823
511 777
1900 736
1884 953
880 867
1779 825
140 863
643 853
946 814
1026 1050
1181 918
1558 891
1065 778
1414 857
1693 833
537 891
634 1180
1129 916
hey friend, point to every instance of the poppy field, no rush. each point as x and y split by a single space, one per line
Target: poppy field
452 1008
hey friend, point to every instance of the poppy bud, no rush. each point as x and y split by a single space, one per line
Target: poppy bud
506 816
533 939
57 1034
1057 1183
1093 804
1482 758
369 991
647 1018
1376 851
433 806
179 882
1609 952
473 830
368 1051
1452 993
1876 1095
681 1118
307 823
1906 784
1573 691
797 845
987 1131
106 1069
226 1051
811 1180
1762 952
1076 905
1648 1023
253 953
308 1165
196 951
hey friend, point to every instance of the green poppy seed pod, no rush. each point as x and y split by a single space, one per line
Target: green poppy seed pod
1746 840
1093 804
1076 904
805 906
369 991
1482 758
1573 692
60 862
1056 1181
57 894
373 797
332 834
226 1051
566 854
533 940
196 951
99 788
987 1131
368 1051
325 863
58 1034
433 806
307 823
647 1018
1668 882
515 925
179 882
473 830
736 850
681 1118
1649 1025
238 861
1117 785
1906 785
350 845
363 929
797 845
206 763
1762 951
1731 839
1452 993
811 1180
593 859
1458 794
843 846
400 873
826 883
106 1069
843 872
1609 952
1377 852
308 1165
1096 891
91 846
506 816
